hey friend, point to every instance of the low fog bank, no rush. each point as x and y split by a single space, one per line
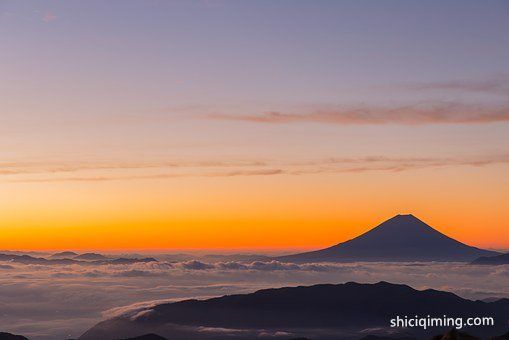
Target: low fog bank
49 302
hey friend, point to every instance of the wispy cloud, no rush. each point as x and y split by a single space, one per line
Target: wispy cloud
437 113
498 85
263 172
14 172
16 168
397 164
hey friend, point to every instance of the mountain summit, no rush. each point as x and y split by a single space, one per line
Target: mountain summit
401 238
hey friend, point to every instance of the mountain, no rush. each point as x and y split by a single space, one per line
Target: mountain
317 312
492 260
401 238
454 334
381 337
9 336
91 257
150 336
64 255
27 259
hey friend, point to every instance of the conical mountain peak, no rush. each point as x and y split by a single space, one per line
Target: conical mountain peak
405 215
404 219
405 227
403 237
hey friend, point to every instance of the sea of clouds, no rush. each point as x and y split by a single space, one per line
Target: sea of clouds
50 302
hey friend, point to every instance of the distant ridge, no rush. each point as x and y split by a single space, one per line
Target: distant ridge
64 255
27 259
401 238
493 260
91 257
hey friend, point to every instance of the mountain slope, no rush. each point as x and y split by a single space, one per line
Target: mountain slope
401 238
317 312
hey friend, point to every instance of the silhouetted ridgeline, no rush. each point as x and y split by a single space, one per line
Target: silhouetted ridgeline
64 255
452 334
9 336
91 257
316 312
147 337
27 259
401 238
493 260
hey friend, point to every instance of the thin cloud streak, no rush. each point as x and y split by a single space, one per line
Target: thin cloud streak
498 85
265 172
329 165
439 113
17 168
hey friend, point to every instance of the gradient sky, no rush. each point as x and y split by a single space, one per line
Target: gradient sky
262 124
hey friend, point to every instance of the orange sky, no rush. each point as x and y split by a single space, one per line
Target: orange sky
266 211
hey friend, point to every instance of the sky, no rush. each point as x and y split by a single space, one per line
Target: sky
250 125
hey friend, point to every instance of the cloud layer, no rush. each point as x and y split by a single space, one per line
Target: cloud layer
57 302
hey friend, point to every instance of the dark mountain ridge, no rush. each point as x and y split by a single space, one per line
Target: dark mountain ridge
492 260
27 259
63 255
401 238
9 336
319 312
91 257
147 337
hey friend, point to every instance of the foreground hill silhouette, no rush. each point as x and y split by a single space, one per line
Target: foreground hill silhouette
455 334
401 238
9 336
147 337
315 312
